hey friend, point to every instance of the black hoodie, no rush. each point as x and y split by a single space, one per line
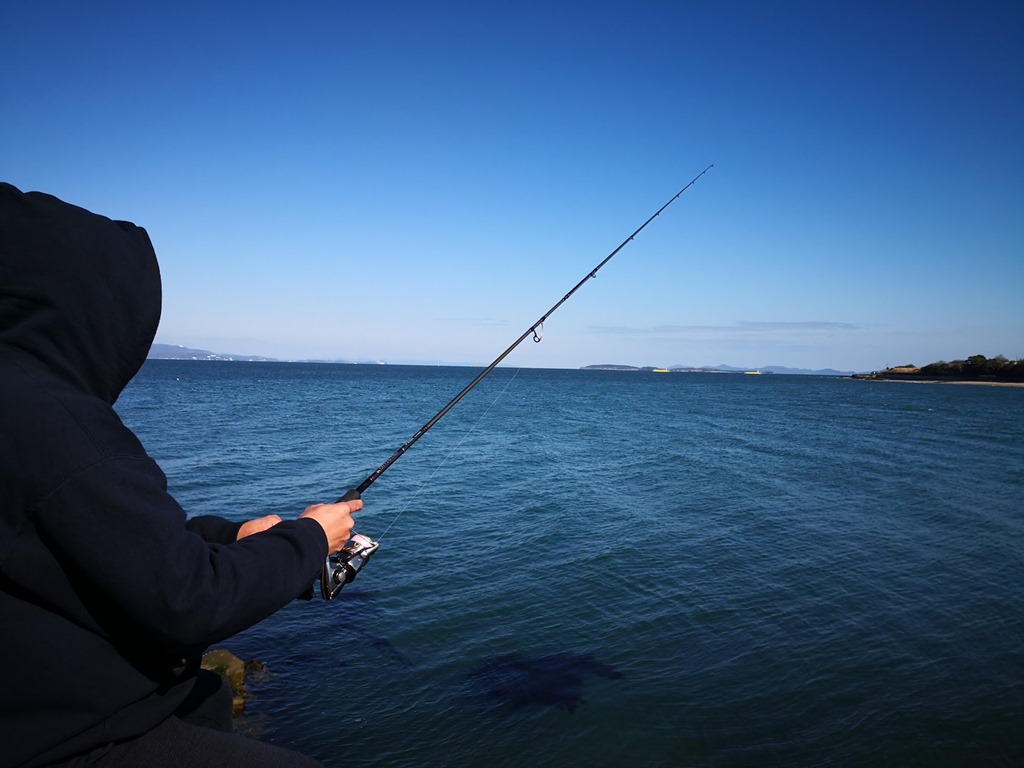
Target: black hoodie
107 593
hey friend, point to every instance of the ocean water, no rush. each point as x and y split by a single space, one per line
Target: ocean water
604 569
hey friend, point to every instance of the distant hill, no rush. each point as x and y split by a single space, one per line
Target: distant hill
175 352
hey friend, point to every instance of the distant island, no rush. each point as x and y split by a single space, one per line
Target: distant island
976 369
175 352
717 369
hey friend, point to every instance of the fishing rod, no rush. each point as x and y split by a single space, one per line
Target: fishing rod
341 568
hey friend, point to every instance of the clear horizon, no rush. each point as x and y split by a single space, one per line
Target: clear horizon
402 181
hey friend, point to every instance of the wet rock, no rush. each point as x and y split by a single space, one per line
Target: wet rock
235 671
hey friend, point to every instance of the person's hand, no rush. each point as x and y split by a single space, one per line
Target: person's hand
335 519
255 526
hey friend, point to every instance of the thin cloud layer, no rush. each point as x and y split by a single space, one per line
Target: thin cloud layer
740 328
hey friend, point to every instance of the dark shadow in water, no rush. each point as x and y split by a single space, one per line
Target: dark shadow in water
552 680
364 602
388 649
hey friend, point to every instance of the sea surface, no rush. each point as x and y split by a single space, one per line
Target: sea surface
595 568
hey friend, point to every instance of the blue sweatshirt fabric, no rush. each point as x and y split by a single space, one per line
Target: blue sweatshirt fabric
109 593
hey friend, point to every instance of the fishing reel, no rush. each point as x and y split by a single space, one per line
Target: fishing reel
341 567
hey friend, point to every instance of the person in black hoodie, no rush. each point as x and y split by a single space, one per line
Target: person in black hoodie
109 594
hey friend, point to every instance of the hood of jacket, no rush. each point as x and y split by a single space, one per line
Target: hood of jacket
79 293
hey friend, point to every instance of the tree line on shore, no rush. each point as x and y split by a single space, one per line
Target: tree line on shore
997 368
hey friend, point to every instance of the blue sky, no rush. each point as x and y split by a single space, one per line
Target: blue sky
420 181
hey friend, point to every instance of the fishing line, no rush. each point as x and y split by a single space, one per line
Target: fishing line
450 454
341 568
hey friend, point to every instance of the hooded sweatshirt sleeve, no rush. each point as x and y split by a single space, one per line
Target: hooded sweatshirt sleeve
213 529
178 590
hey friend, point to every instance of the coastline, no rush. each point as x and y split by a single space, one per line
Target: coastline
970 382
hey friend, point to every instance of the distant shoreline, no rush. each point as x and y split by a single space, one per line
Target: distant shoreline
907 380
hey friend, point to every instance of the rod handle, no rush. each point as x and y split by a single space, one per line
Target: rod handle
350 495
